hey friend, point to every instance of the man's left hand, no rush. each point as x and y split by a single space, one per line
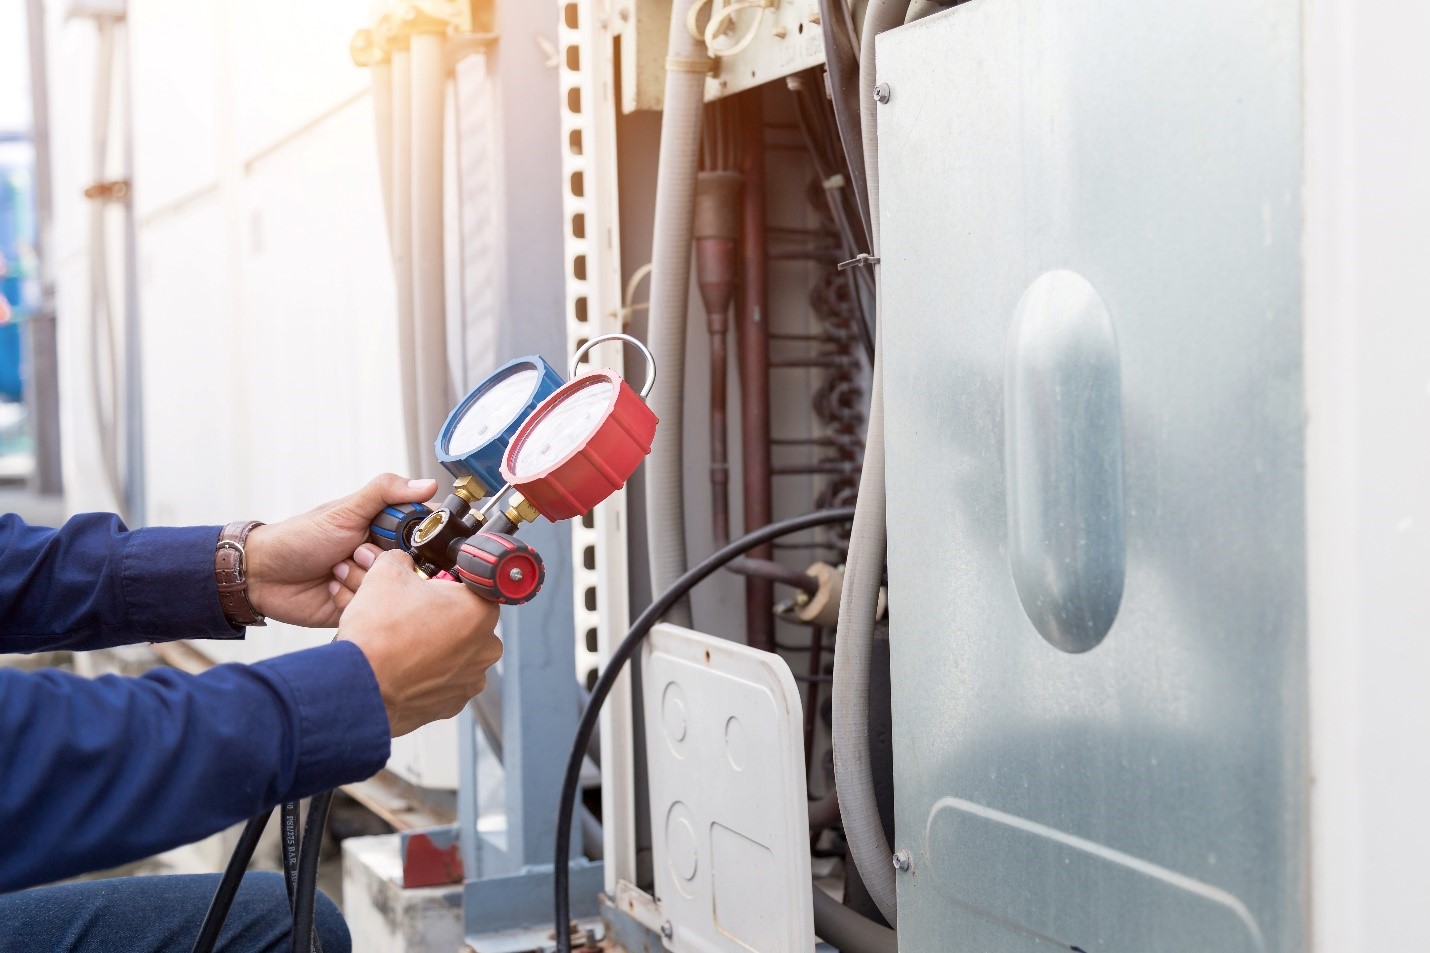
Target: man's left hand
291 564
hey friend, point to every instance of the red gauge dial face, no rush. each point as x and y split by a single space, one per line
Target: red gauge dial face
565 428
580 445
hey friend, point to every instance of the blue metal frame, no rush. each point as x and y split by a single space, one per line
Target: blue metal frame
509 872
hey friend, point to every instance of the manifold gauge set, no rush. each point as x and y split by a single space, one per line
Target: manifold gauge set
525 443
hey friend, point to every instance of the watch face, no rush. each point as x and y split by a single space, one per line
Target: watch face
492 412
563 429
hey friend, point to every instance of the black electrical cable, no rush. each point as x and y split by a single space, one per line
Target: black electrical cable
841 60
306 889
812 121
586 728
228 884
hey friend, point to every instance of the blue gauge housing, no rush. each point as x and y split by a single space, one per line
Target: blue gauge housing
472 443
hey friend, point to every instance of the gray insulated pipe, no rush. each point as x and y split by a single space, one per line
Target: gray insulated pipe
685 67
428 262
864 570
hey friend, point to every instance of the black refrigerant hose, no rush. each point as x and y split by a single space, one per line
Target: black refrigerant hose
305 894
300 873
586 728
841 65
228 884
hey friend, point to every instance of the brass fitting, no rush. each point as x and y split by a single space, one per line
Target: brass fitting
521 510
470 489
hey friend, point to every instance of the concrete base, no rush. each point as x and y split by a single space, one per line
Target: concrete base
386 918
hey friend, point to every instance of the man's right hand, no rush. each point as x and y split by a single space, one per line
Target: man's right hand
429 642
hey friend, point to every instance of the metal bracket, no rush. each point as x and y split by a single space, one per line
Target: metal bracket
859 261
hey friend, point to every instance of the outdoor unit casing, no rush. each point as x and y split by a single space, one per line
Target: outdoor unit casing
1097 560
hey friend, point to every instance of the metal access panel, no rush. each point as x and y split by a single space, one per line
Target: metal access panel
1092 328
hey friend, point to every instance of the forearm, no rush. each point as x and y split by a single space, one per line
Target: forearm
98 773
93 584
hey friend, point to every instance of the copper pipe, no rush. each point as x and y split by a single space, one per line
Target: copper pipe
811 707
717 228
774 572
719 453
830 467
754 343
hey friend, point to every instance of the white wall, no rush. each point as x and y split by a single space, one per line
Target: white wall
266 297
14 69
1368 447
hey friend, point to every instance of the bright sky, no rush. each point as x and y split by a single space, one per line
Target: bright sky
14 68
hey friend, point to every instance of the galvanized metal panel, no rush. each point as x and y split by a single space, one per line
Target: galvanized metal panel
1147 792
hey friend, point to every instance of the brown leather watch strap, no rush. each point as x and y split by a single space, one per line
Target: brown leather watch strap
231 574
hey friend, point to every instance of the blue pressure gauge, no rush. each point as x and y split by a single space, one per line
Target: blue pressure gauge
474 438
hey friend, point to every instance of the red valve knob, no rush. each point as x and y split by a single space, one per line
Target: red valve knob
501 568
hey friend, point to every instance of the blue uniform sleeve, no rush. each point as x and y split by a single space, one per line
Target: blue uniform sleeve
96 773
93 584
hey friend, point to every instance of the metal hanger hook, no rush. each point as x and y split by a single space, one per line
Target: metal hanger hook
633 342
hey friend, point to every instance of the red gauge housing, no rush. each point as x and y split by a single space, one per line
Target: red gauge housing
599 465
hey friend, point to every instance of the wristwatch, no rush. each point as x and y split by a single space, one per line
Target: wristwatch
231 574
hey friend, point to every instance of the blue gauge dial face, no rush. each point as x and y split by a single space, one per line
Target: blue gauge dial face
491 413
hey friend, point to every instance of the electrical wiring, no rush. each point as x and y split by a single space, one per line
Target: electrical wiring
726 16
624 652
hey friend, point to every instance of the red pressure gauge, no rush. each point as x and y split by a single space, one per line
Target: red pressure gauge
583 442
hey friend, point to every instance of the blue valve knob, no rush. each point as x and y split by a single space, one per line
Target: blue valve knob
392 529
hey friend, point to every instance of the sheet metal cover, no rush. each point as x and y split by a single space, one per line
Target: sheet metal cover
728 804
1092 323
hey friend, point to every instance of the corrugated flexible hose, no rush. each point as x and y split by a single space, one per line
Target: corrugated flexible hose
864 571
686 66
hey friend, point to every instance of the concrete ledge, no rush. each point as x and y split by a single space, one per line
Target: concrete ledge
386 918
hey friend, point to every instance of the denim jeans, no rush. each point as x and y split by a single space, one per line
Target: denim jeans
157 915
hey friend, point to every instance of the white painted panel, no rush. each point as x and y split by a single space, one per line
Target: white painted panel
71 67
319 332
290 64
176 108
729 823
1367 202
193 453
79 443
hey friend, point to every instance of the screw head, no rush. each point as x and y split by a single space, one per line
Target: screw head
516 575
901 860
667 929
882 93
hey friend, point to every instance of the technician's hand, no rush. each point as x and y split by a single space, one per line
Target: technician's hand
292 565
429 641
